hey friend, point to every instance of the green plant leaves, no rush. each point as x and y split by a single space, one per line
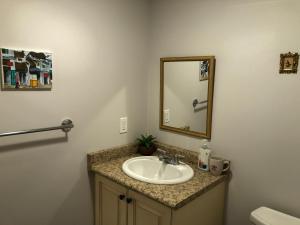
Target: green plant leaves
146 141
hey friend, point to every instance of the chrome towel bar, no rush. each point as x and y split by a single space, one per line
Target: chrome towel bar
197 102
65 126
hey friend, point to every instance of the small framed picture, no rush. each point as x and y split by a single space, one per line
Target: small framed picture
203 70
289 63
25 70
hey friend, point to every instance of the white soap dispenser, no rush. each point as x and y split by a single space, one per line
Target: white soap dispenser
204 155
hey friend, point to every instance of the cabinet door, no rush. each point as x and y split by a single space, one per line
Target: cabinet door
109 208
144 211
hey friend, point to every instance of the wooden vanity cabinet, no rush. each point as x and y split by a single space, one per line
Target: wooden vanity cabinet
110 204
145 211
117 205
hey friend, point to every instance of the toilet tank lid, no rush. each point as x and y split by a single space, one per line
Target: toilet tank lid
267 216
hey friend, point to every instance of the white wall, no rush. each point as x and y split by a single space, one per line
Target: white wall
256 110
99 76
181 86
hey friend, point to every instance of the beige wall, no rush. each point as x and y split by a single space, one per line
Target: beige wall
99 75
256 110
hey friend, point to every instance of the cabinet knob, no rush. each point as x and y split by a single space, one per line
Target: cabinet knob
128 200
121 197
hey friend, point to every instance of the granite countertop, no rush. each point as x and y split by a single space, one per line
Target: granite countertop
174 196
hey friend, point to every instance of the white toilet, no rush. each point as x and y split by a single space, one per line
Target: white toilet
267 216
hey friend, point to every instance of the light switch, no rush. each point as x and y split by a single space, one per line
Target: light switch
123 125
167 115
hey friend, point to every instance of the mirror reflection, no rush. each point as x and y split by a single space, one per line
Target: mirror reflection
186 95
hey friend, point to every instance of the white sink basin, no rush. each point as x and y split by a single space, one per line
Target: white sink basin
149 169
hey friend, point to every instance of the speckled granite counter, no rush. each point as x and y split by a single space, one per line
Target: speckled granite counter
174 196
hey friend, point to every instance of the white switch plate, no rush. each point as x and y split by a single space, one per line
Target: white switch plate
123 125
167 115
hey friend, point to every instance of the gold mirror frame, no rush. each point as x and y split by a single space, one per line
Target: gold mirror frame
211 75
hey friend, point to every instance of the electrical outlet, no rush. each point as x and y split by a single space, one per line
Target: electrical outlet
167 115
123 125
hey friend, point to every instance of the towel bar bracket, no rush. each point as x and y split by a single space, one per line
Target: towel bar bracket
67 125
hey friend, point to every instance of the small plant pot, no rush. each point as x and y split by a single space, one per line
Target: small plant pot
146 151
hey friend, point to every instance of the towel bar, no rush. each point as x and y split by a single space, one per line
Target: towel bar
65 126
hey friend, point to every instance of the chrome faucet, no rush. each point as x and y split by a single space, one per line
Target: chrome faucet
169 159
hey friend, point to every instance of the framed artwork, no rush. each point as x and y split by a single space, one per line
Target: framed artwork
203 70
289 63
26 70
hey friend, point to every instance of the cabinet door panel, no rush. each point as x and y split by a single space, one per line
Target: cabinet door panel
144 211
110 210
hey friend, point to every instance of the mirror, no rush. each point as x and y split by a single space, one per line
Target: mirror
186 95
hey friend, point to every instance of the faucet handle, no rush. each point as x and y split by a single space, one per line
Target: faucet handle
163 152
178 156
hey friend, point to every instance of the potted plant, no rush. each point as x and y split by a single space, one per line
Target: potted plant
146 145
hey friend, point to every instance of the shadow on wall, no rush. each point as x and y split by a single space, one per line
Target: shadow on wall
32 144
73 208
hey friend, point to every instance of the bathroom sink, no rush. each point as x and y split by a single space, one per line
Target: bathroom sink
151 170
